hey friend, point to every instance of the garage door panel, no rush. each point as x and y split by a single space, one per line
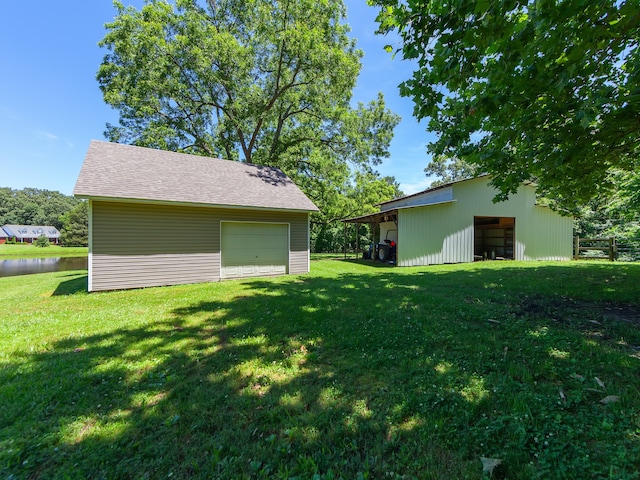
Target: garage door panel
251 249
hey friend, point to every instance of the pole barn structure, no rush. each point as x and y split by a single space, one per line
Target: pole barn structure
459 222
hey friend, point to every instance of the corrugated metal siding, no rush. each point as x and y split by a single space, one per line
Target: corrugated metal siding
444 233
433 235
544 235
140 245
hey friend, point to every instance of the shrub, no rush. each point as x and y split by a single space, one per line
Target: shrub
41 241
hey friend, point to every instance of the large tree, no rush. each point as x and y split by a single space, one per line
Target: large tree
261 81
527 89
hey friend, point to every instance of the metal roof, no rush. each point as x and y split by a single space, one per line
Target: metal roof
118 171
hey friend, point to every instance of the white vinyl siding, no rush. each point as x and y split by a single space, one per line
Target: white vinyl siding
254 249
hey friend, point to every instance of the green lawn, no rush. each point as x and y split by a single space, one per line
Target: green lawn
348 372
31 251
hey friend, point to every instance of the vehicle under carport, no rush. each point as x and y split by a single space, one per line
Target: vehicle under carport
384 226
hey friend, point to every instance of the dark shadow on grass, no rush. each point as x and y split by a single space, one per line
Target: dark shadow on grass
413 372
69 287
367 262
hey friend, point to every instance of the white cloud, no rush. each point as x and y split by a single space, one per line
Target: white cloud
47 135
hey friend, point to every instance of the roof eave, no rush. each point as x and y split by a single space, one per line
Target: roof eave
151 201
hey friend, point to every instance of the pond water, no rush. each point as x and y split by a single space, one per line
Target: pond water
26 266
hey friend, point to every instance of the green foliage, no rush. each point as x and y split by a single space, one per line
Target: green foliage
354 199
333 238
75 226
266 82
616 215
450 170
41 241
32 206
348 372
527 90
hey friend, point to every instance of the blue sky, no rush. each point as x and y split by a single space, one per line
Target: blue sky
51 106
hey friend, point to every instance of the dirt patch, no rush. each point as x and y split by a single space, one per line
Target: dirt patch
569 310
604 322
622 313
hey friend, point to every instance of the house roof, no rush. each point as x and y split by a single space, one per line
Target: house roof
3 234
119 171
31 231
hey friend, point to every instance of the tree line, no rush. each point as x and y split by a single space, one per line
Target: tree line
33 206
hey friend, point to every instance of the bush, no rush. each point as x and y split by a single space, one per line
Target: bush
41 241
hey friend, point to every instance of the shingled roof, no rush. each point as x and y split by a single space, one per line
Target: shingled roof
118 171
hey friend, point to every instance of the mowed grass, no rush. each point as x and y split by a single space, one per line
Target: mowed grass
26 250
348 372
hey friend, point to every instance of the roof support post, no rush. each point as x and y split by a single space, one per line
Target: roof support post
373 240
373 235
357 242
344 247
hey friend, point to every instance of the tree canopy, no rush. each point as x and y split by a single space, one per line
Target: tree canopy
261 81
33 206
542 90
75 226
450 170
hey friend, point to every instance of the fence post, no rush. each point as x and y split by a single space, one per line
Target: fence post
576 247
612 249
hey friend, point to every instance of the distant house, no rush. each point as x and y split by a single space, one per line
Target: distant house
458 222
29 233
3 236
165 218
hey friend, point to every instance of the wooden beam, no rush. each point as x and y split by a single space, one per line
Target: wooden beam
344 247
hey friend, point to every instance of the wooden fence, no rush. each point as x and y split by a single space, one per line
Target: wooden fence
628 250
607 246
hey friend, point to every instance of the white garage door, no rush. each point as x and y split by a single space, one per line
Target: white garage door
253 249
